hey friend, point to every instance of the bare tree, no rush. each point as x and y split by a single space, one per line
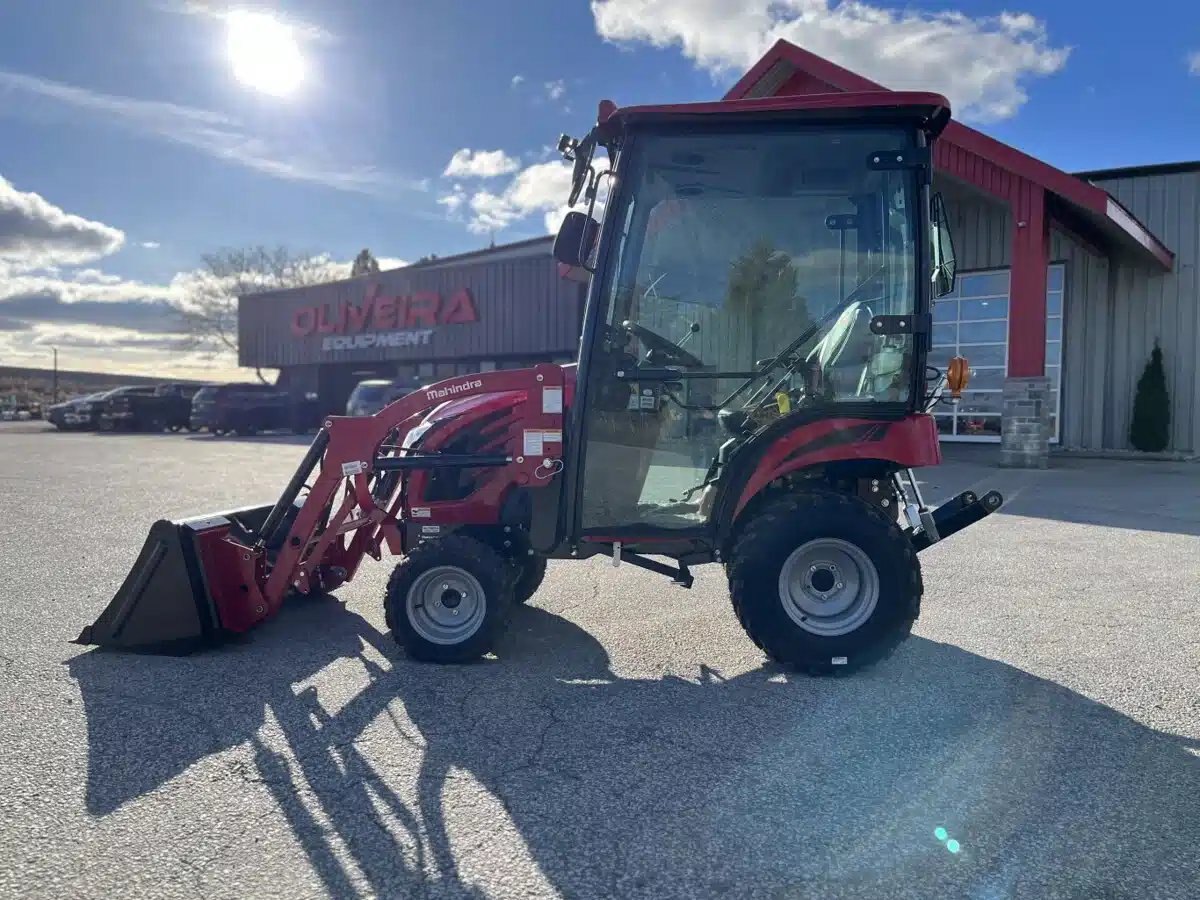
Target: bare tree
207 298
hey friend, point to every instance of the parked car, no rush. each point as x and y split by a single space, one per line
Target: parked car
176 400
152 408
83 414
129 409
248 408
372 395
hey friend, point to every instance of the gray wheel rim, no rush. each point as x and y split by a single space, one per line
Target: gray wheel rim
828 587
446 605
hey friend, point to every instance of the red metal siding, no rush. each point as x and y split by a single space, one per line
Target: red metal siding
524 308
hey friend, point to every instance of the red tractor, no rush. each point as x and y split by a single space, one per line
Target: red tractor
752 390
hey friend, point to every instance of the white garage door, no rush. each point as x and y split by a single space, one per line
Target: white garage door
973 322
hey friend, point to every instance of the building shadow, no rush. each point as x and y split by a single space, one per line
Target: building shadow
760 784
1127 494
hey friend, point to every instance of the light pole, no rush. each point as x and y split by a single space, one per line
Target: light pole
54 388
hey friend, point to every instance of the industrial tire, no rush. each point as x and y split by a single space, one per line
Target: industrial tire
452 567
531 571
779 535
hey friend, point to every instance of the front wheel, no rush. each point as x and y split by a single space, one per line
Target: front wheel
531 571
824 582
449 599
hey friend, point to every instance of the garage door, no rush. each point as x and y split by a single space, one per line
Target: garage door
973 322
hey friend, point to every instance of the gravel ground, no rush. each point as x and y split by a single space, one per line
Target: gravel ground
1039 736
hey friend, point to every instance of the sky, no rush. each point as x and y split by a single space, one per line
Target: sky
138 135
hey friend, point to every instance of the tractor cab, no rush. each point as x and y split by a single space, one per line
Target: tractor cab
760 261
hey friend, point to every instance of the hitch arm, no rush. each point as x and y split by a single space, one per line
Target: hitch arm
954 515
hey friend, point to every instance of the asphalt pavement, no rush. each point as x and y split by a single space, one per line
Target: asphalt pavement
1039 736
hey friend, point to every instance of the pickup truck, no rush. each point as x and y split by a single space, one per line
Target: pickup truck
149 408
129 409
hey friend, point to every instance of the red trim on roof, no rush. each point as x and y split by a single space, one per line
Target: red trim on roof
1093 199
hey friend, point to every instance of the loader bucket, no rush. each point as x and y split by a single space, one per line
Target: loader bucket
171 601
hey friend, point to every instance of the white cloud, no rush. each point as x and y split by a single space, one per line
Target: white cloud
212 133
35 233
981 63
150 245
556 89
539 189
1193 62
480 164
517 80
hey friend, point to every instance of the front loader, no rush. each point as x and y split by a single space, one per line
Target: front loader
752 390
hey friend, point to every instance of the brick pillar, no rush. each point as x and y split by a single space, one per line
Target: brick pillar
1025 429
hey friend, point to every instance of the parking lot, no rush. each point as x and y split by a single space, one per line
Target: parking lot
1039 736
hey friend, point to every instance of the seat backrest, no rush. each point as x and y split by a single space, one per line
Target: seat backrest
843 353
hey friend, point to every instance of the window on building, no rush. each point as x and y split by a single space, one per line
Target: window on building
973 322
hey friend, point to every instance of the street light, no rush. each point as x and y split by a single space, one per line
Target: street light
54 388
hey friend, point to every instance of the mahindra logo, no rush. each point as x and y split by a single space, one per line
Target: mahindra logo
449 390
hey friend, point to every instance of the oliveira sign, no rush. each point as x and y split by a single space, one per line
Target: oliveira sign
383 321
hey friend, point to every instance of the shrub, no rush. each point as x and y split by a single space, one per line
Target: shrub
1150 430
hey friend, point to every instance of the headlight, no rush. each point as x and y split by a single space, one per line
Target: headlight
414 435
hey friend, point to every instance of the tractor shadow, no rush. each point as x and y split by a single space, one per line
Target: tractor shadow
760 784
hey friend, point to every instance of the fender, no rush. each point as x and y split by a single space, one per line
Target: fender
907 442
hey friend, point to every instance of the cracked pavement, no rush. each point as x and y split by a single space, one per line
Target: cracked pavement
628 739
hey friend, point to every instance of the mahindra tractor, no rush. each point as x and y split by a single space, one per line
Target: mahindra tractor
752 391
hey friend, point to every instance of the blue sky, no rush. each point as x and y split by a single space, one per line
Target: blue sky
129 148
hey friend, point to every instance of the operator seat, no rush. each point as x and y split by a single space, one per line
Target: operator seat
843 354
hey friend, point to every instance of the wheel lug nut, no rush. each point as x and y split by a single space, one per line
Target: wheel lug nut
839 586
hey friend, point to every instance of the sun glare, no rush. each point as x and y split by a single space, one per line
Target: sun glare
264 53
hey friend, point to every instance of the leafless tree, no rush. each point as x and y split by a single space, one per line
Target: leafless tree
206 300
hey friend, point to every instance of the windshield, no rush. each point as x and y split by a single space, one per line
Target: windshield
370 392
757 238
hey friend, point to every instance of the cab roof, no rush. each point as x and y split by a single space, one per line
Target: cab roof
933 110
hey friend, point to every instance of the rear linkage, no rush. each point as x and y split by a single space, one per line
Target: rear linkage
198 579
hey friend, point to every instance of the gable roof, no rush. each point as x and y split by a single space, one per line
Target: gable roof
966 153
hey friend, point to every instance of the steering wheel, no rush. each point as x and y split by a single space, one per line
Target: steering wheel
659 345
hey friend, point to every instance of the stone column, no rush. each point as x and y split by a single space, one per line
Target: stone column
1025 426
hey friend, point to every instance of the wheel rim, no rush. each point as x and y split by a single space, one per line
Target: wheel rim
828 587
446 605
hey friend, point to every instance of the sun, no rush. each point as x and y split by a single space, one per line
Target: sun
264 53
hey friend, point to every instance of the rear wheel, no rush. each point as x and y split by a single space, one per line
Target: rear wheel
449 599
824 582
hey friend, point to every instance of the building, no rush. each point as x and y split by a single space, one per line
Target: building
502 308
1065 284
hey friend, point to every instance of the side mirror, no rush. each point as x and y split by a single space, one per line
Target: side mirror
944 265
576 240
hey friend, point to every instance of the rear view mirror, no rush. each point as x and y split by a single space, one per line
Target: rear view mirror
576 240
944 264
